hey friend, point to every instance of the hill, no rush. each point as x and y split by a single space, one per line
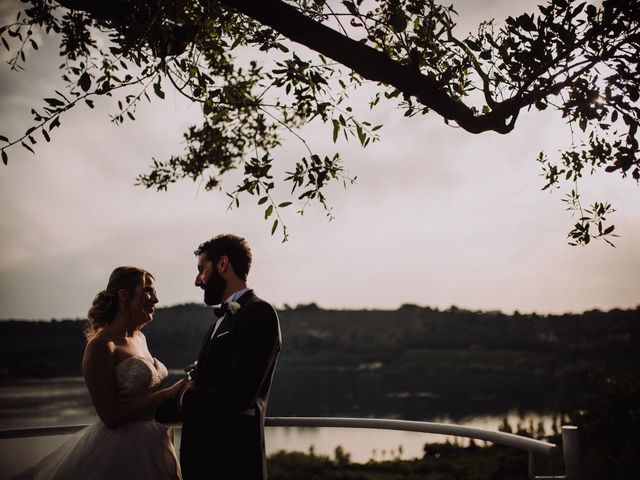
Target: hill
406 338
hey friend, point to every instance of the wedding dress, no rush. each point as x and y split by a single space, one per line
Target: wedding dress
141 450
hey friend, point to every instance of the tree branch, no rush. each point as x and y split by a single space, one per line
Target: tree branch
367 62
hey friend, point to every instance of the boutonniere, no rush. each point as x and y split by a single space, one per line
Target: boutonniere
230 308
234 307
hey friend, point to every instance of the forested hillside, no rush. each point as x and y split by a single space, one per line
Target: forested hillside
406 338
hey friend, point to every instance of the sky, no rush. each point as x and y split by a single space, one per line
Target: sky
437 217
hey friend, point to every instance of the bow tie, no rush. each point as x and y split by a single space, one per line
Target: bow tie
221 310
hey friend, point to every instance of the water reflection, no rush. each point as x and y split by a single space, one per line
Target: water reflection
414 394
39 403
65 401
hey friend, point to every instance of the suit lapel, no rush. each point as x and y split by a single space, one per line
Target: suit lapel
207 337
207 341
206 344
229 319
225 326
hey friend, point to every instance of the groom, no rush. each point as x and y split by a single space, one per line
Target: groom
223 409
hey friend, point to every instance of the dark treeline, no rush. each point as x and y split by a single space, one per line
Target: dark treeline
440 462
406 338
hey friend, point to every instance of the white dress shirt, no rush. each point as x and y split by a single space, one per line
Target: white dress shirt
232 298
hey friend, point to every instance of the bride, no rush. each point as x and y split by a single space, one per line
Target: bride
125 385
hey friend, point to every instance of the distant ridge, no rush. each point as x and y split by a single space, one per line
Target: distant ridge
315 337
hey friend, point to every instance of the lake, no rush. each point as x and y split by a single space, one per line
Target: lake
65 401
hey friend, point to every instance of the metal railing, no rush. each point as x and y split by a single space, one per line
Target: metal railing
570 445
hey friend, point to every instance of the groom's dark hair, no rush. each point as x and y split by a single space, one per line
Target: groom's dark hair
232 246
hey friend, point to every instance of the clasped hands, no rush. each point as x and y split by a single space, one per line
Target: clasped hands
177 390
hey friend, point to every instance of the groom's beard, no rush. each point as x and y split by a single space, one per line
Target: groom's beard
215 288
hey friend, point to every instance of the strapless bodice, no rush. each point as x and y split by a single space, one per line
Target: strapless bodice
138 450
136 376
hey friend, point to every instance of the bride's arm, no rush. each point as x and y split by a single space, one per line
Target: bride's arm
98 366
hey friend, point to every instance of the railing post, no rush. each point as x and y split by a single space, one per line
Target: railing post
532 466
571 452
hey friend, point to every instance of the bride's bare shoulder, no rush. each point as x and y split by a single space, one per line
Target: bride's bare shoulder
100 344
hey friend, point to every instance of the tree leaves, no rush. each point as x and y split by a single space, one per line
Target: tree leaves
85 82
157 88
398 21
526 22
581 60
25 145
595 216
54 102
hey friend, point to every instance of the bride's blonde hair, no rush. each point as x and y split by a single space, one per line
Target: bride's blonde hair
105 304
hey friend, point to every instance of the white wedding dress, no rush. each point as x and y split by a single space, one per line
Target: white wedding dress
142 450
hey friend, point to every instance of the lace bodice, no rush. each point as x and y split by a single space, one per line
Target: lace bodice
137 376
138 450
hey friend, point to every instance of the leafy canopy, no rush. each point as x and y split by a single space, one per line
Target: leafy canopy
239 61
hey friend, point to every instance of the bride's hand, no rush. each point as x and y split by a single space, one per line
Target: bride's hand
174 390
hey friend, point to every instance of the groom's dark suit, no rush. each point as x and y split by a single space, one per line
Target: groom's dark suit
223 417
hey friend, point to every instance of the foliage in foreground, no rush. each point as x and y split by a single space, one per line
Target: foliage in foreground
242 63
440 462
609 424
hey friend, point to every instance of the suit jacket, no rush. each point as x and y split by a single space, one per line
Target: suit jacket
223 417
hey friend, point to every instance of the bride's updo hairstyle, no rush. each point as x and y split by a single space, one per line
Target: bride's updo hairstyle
105 304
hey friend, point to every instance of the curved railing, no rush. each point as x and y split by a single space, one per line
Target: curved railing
570 446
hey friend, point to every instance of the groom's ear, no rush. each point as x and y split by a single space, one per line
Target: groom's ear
223 264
